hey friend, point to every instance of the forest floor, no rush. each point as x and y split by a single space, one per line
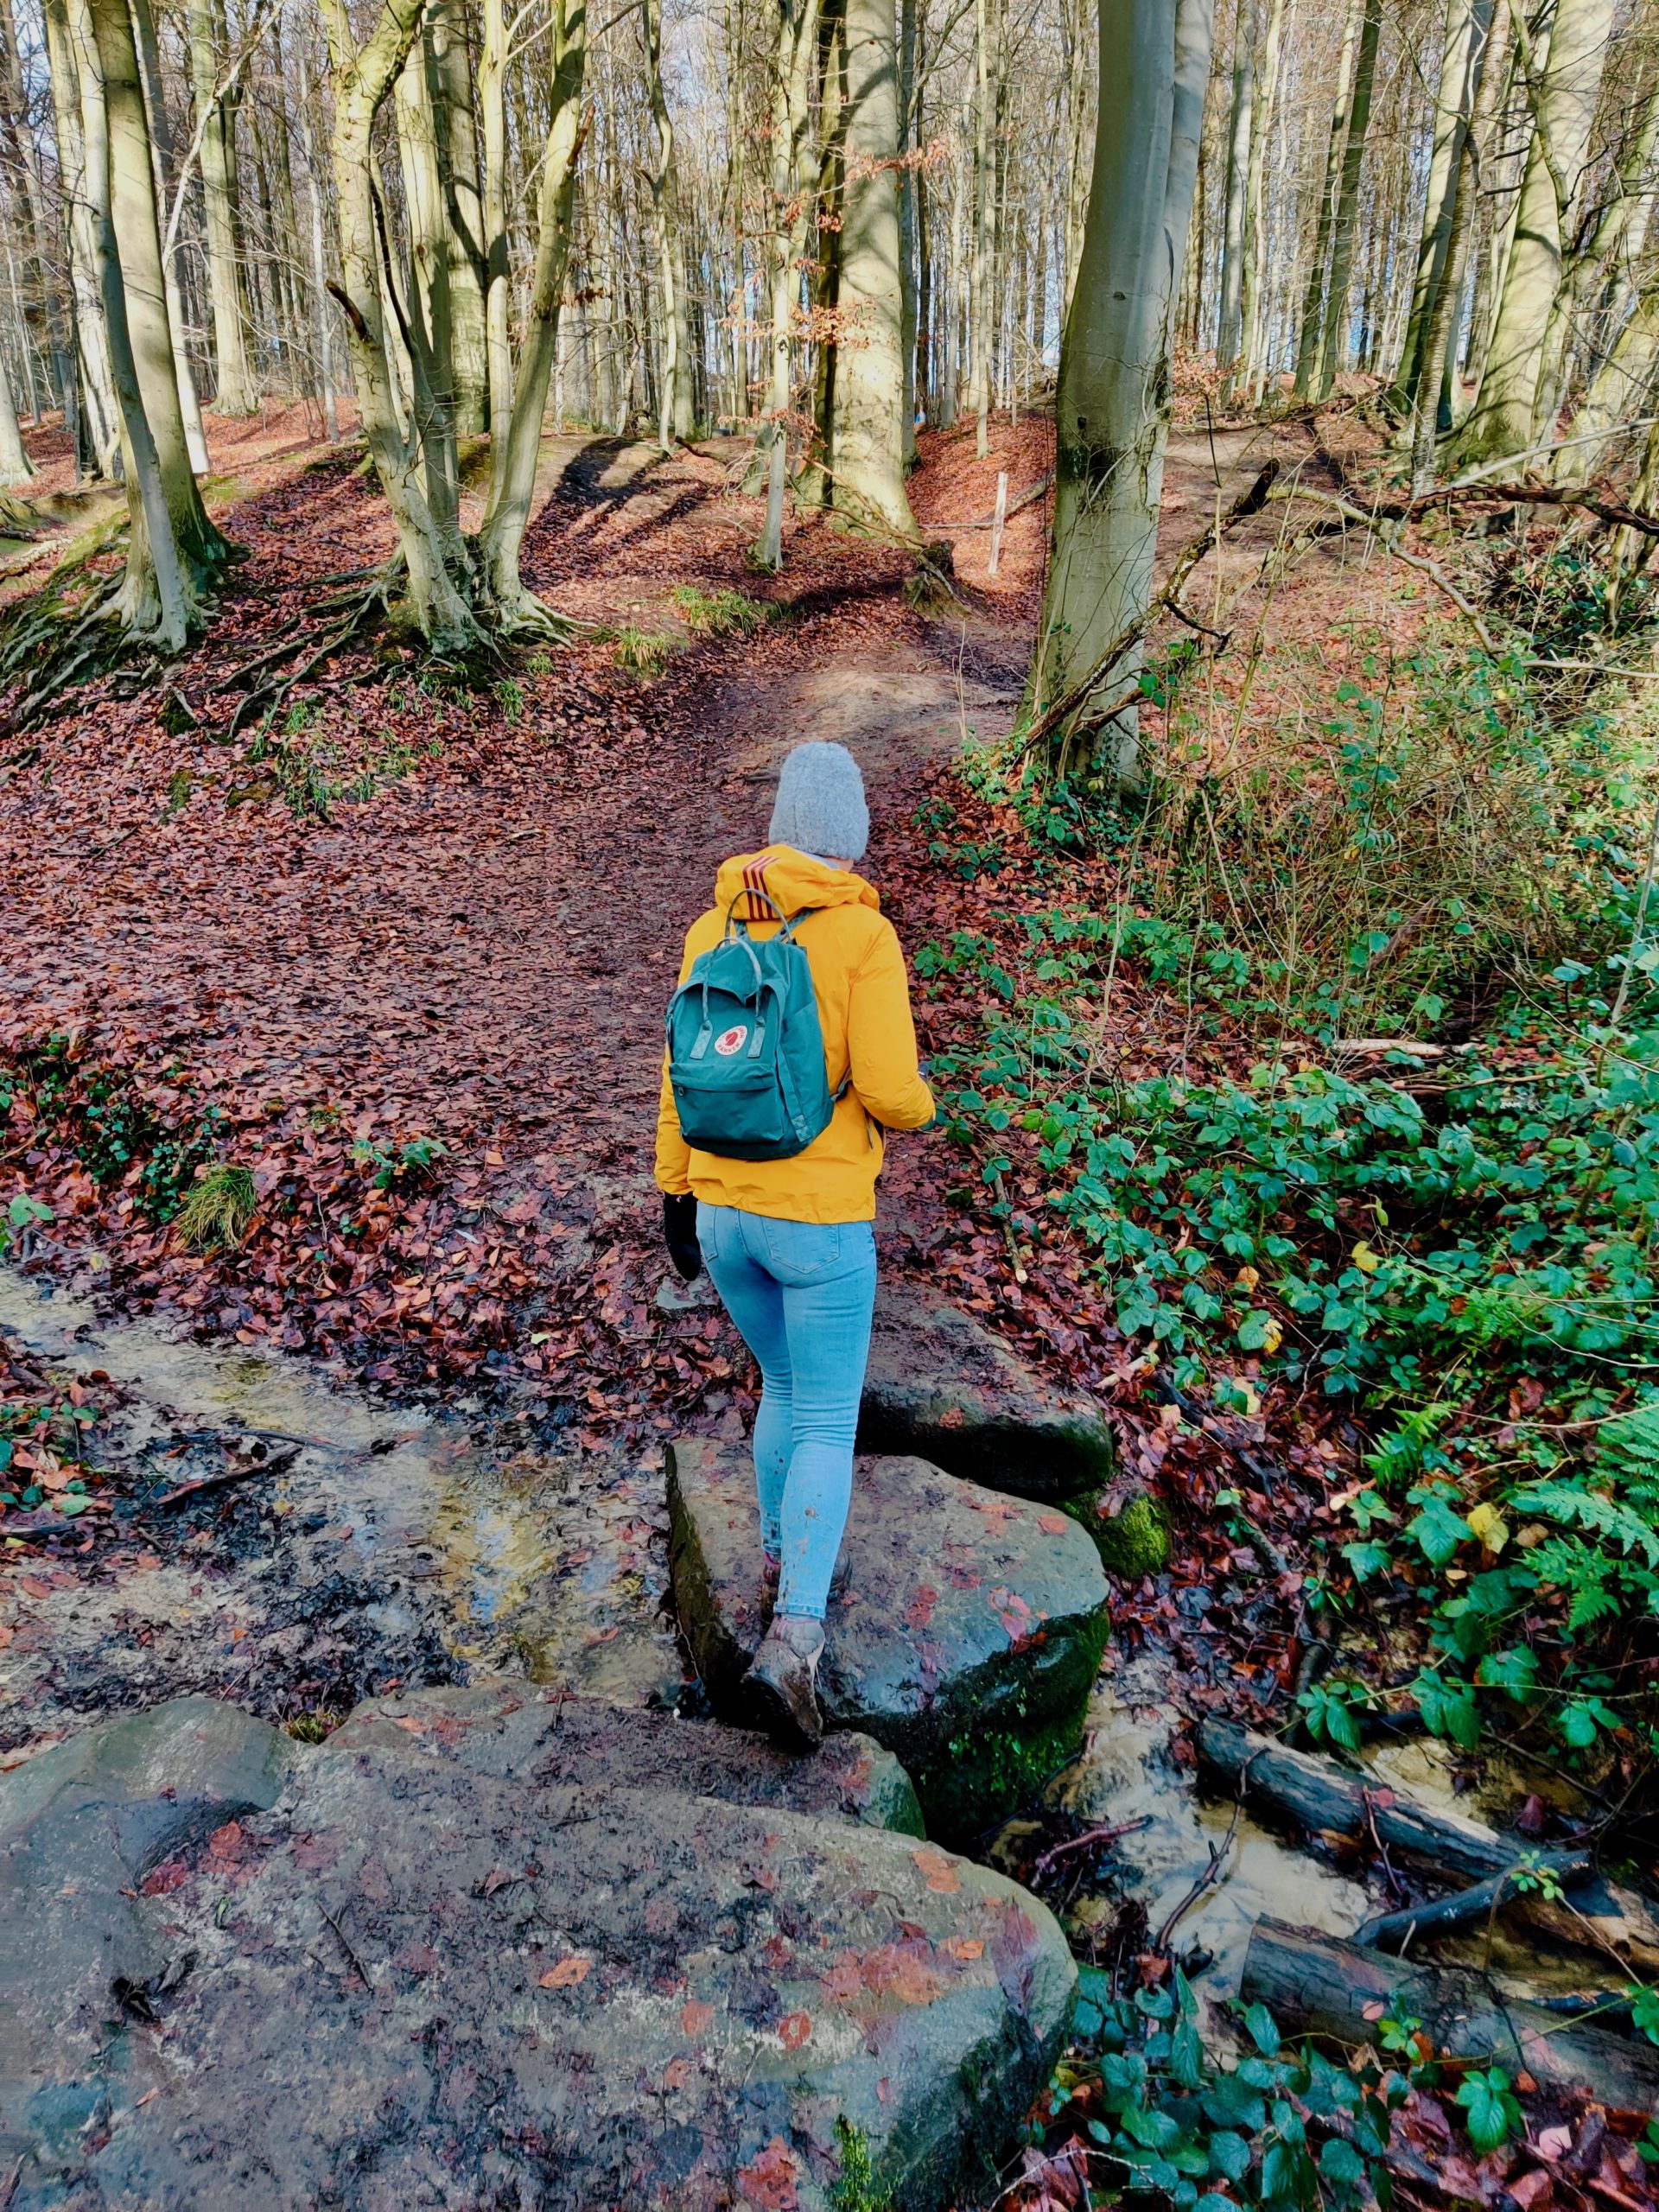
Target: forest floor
403 957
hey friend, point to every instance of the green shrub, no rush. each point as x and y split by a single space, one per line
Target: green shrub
642 652
1460 1250
1151 2113
113 1128
414 1159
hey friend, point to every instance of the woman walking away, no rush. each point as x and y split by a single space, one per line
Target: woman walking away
789 1045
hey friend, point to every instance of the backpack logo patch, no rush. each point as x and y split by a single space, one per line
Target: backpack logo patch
731 1040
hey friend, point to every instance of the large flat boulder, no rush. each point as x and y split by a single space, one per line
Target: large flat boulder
418 1979
964 1628
942 1384
505 1728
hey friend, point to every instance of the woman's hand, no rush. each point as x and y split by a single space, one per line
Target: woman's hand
680 1235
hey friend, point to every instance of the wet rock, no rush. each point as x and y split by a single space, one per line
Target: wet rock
418 1980
940 1383
153 1780
964 1630
505 1728
82 1828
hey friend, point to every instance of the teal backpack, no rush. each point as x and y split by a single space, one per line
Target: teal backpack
746 1048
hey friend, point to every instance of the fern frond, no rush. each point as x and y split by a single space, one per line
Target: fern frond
1609 1518
1628 1447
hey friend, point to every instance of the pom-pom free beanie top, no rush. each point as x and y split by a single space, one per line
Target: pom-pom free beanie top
821 807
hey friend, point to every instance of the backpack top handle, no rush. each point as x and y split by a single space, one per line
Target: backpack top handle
740 929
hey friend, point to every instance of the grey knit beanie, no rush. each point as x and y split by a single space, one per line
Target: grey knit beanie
821 805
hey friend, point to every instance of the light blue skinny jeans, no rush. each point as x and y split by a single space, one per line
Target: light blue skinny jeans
801 1294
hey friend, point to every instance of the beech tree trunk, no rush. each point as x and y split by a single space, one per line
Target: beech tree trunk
797 36
99 424
1621 391
1433 399
451 82
910 38
158 602
363 78
201 551
987 70
1562 92
1112 408
1253 256
1229 327
15 463
429 336
149 78
513 472
1589 270
1312 325
236 389
1468 26
676 413
40 315
316 240
1077 117
1334 336
863 421
498 343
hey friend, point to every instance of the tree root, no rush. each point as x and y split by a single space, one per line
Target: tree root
379 597
355 614
49 644
18 519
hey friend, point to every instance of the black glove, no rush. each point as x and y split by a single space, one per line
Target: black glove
680 1234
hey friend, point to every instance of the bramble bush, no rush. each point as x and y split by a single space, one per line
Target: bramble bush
1463 1255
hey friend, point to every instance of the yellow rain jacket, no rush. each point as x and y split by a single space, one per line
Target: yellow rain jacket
858 973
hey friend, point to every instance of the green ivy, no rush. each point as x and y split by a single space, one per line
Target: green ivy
1283 2129
115 1129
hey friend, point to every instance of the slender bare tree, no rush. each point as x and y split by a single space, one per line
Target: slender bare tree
1113 406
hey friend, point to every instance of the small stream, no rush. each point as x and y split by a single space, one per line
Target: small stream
385 1545
390 1544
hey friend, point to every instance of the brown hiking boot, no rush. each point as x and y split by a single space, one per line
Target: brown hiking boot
781 1683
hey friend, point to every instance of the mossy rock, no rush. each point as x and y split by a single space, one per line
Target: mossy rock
488 1947
1130 1529
504 1726
944 1385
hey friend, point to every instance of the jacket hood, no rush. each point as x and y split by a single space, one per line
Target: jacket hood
791 880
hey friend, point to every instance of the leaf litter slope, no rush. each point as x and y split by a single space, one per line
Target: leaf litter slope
406 959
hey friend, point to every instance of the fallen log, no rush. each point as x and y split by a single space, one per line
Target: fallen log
1315 1794
1317 1985
1318 1795
988 521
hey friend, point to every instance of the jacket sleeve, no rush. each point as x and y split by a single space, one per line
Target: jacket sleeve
882 1037
673 1169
